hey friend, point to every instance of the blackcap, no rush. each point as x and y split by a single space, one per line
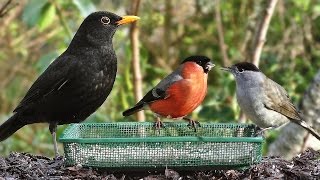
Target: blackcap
264 101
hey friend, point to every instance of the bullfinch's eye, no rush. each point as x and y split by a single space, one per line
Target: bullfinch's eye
105 20
240 70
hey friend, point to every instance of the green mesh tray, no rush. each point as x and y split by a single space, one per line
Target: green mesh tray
137 145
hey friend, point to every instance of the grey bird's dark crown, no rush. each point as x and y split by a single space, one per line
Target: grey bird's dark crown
246 66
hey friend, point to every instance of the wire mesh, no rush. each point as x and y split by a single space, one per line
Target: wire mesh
138 145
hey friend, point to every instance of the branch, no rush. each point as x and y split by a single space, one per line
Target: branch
245 47
258 40
222 45
6 8
134 37
167 31
260 35
62 19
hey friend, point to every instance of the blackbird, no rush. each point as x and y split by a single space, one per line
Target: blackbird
178 94
76 83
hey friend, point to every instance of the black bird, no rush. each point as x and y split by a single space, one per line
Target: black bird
76 83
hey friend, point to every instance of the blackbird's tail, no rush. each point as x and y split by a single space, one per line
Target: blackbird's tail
11 126
133 110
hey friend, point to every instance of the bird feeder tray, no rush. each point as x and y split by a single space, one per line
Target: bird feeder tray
137 145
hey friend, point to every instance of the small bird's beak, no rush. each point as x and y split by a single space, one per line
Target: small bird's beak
226 69
209 65
127 19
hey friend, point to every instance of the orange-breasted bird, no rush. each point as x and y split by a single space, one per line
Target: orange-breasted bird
178 94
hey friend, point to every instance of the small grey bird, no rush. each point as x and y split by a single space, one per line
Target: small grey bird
264 101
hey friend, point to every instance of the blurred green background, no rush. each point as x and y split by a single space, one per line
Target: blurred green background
33 33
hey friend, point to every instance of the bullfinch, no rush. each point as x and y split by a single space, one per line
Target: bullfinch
178 94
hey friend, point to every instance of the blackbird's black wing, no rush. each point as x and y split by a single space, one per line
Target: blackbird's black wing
51 80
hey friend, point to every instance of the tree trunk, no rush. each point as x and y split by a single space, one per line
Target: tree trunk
261 33
259 39
222 45
137 77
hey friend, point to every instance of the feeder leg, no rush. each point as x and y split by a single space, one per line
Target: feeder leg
192 123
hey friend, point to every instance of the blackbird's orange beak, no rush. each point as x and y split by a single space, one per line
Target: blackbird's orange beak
127 19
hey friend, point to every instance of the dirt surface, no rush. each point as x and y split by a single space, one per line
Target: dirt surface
27 166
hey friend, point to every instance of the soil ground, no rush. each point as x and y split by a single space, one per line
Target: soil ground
27 166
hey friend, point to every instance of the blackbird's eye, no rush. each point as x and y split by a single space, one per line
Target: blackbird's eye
105 20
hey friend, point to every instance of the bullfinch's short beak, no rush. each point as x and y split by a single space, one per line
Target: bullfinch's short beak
127 19
209 65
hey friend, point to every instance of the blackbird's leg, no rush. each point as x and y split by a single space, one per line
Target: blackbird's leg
53 129
158 124
192 123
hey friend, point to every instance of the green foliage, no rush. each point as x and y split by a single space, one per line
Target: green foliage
39 12
33 11
47 16
45 60
271 137
85 7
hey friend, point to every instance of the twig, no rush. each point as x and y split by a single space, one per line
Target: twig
42 39
167 31
134 37
61 19
260 34
154 50
222 45
258 41
11 74
6 8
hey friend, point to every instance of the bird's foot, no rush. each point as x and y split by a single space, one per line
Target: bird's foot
56 154
261 132
193 124
58 157
158 125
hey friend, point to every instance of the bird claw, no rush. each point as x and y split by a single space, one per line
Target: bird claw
193 124
158 125
261 132
58 157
